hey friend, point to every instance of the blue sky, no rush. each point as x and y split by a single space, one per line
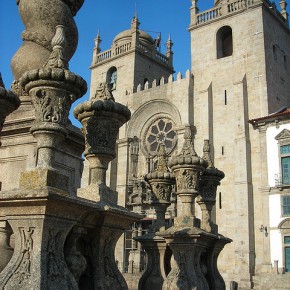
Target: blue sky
110 17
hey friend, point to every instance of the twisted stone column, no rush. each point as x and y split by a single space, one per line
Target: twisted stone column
40 19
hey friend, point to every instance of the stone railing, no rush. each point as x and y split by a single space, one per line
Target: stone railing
120 49
158 56
208 15
104 55
229 8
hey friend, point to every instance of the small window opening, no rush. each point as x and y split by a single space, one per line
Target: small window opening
224 41
223 150
226 100
220 200
112 78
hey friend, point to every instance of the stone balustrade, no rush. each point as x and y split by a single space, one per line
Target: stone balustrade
124 48
230 7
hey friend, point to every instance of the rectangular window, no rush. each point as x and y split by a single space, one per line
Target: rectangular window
287 259
286 205
285 149
287 240
285 164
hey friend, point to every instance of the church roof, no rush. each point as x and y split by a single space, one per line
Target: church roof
283 113
127 34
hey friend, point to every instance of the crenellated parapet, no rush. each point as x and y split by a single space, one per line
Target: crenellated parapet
161 82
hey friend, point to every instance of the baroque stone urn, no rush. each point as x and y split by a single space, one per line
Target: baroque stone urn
161 182
101 118
209 181
187 168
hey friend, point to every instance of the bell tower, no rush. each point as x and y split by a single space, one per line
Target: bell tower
240 53
133 60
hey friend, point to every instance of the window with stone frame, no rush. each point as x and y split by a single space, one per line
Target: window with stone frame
284 228
224 42
285 202
160 131
282 178
287 253
112 78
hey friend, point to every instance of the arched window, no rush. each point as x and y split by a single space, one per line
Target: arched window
224 41
112 78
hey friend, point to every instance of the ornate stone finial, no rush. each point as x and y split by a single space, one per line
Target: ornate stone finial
135 23
188 148
169 44
161 162
103 92
206 153
56 58
98 41
283 5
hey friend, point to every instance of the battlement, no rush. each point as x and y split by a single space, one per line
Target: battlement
162 82
231 7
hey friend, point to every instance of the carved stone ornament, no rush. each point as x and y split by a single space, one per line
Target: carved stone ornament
161 180
101 118
103 92
56 58
53 90
21 271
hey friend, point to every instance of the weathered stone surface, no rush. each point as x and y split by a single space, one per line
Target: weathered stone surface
40 19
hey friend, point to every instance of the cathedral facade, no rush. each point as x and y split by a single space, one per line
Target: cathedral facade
239 72
235 95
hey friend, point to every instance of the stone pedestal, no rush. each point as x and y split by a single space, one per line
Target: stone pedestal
45 226
158 260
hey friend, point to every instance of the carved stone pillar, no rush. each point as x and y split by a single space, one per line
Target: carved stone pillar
161 182
209 182
187 168
101 118
52 89
195 250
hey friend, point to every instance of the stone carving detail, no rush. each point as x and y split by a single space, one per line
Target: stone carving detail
51 109
17 89
187 180
103 92
54 272
37 38
160 132
56 58
21 271
101 134
75 260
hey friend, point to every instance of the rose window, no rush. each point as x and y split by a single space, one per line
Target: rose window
160 132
